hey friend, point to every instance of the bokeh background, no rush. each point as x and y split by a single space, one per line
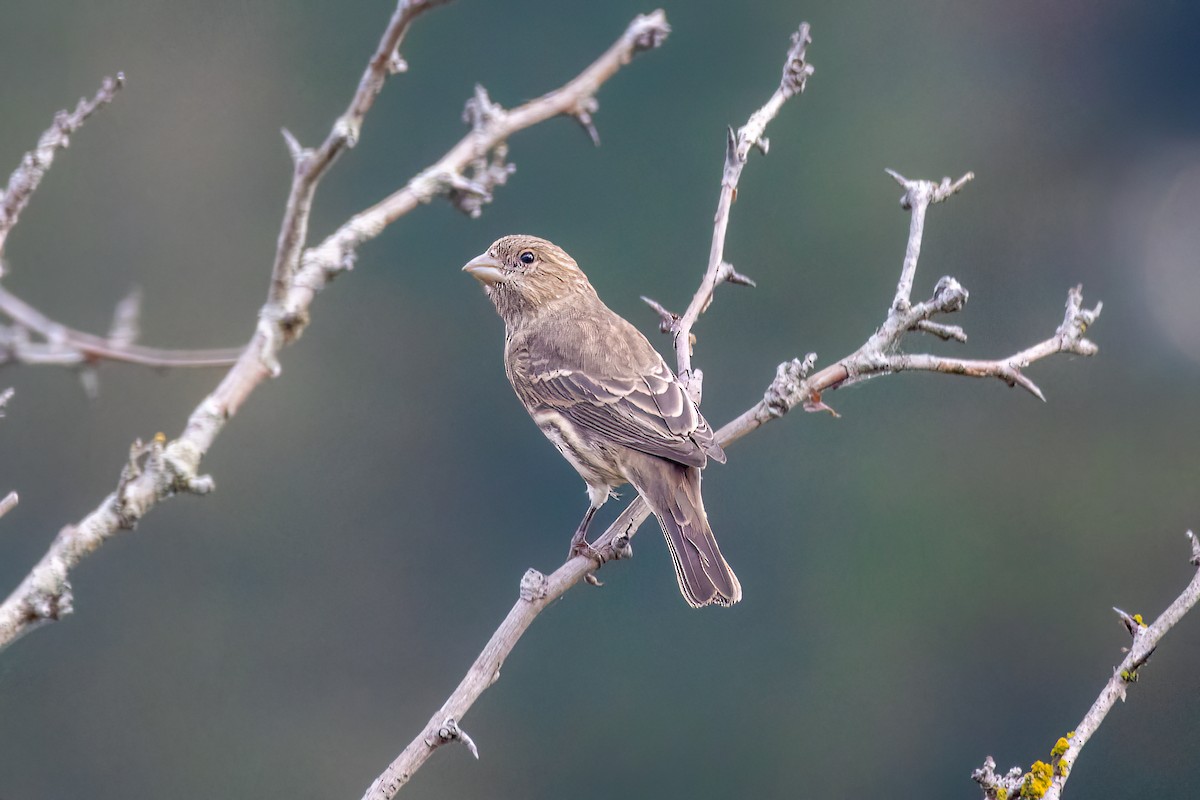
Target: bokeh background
928 578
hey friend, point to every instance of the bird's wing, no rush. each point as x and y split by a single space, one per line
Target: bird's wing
650 412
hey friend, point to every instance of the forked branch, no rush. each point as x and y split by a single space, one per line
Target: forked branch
64 346
61 345
791 387
796 71
163 468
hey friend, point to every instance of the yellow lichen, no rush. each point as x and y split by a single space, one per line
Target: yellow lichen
1060 747
1001 793
1037 780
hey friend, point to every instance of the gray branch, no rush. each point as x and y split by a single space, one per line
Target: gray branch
33 338
25 179
796 71
1046 779
164 468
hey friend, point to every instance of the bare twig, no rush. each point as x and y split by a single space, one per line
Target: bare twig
796 71
917 197
10 500
25 179
1046 779
164 468
68 347
311 165
482 152
8 503
62 345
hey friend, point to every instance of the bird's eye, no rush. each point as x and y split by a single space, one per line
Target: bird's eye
526 257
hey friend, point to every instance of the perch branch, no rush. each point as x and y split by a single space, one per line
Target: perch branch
796 71
25 179
1049 778
791 387
162 468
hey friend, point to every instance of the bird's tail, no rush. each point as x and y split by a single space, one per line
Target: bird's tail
673 493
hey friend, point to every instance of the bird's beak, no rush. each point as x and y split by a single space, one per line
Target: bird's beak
485 269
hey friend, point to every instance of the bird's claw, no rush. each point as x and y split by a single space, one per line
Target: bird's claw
581 547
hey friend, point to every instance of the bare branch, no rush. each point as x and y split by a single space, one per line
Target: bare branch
917 197
164 468
62 345
68 347
25 179
311 165
482 151
941 330
796 71
666 319
1046 779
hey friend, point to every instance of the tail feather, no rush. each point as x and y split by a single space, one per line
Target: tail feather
673 493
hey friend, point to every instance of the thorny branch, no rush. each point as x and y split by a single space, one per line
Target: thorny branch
796 71
26 177
471 170
162 468
1046 779
311 165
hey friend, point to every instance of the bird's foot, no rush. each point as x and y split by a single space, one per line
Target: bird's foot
581 547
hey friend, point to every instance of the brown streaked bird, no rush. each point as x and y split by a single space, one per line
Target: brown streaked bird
607 401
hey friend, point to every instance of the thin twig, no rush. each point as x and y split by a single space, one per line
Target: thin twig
8 503
917 197
67 346
1051 776
25 179
483 151
796 71
309 166
162 468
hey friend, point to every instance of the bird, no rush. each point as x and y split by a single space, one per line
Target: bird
608 402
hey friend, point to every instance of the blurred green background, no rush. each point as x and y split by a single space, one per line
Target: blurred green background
927 579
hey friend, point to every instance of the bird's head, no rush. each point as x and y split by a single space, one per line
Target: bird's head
524 275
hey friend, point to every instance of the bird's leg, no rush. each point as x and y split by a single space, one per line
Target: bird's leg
579 542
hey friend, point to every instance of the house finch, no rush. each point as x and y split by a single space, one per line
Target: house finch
606 399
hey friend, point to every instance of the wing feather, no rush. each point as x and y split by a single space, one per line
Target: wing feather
651 413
